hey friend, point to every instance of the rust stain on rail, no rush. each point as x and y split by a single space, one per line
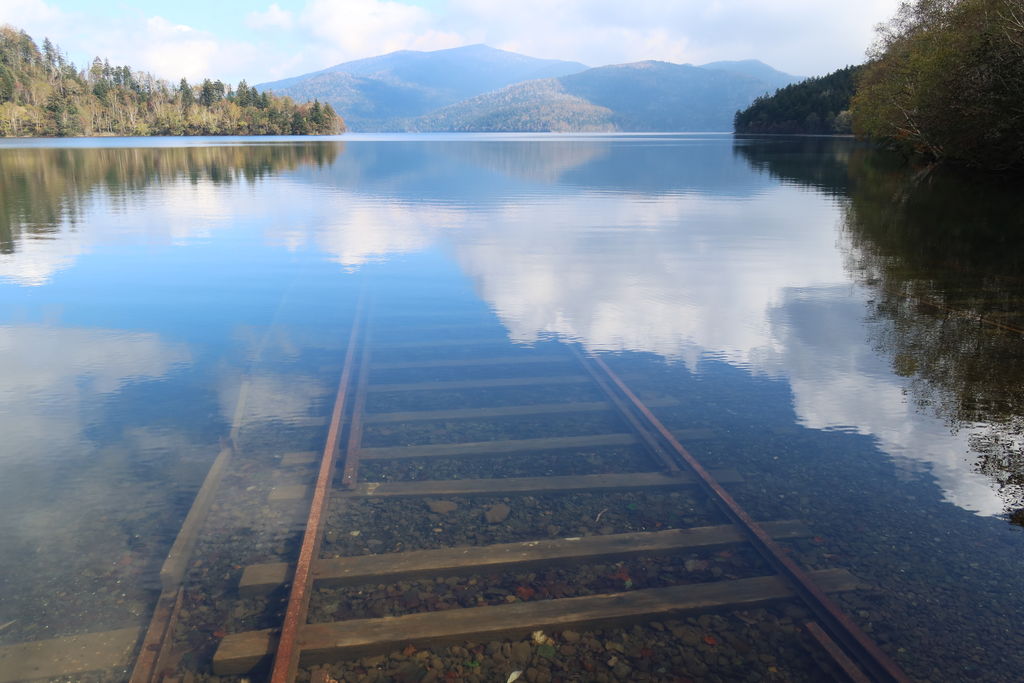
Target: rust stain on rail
286 658
355 433
882 666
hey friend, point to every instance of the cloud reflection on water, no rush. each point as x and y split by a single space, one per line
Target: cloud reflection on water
681 250
54 377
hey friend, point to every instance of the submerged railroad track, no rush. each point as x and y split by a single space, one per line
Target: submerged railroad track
625 493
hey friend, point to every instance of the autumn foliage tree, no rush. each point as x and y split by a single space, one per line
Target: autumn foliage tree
946 82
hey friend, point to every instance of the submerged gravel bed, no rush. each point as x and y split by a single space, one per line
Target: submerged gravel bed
530 584
395 401
374 525
464 344
236 535
603 460
565 366
96 570
418 433
242 528
766 644
948 583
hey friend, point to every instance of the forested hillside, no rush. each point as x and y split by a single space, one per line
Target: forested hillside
642 96
43 94
532 107
374 93
815 106
946 82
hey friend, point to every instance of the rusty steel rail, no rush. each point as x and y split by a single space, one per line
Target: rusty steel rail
642 431
837 654
350 474
286 656
156 646
156 643
835 624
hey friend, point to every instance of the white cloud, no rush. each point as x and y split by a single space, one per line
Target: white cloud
673 275
363 28
799 36
175 50
840 382
274 397
37 260
53 376
684 276
167 49
361 233
272 17
28 13
176 211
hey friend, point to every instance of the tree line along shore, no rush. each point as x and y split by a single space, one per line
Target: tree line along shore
43 94
944 82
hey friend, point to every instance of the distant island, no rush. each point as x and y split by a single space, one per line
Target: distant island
944 83
43 94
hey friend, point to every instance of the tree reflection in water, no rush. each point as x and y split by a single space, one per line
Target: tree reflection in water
942 256
52 185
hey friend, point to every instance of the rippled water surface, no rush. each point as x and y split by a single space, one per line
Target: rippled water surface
846 333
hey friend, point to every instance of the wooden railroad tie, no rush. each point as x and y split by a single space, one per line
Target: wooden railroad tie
240 652
500 382
503 411
261 579
67 656
529 485
505 485
463 341
472 362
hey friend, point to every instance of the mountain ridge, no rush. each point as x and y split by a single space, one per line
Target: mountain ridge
641 96
409 83
480 88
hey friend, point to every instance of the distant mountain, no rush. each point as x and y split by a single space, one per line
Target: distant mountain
370 92
754 68
534 106
479 88
643 96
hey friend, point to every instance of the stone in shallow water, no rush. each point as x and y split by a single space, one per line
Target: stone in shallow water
442 507
521 651
497 513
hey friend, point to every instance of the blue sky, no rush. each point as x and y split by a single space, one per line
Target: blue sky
264 41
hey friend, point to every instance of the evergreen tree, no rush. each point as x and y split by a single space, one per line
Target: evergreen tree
814 106
49 53
242 95
185 95
62 115
316 116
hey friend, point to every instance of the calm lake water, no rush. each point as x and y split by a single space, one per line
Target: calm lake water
846 333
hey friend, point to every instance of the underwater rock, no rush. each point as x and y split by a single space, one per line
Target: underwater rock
442 507
497 513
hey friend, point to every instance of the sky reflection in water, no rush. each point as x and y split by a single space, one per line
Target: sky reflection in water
139 284
684 247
